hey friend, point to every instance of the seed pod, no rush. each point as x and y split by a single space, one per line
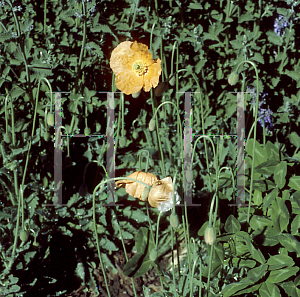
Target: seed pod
233 78
136 189
87 131
24 235
153 255
123 141
210 235
152 125
50 119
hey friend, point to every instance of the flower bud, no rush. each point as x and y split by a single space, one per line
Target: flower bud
123 141
36 244
145 194
172 81
174 221
162 87
24 235
83 190
87 131
50 119
233 78
136 95
153 255
152 125
7 137
46 136
45 182
210 235
135 135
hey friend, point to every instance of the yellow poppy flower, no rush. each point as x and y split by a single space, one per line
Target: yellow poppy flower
161 194
133 67
136 189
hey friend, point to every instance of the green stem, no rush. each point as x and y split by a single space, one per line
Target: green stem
134 15
17 229
84 37
6 112
140 153
33 128
122 107
254 136
45 14
173 268
179 133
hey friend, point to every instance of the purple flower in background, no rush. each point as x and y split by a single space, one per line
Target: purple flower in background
280 23
266 116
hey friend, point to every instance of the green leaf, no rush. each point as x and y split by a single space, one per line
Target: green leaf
274 38
257 197
231 289
259 222
268 200
142 240
257 273
280 261
16 92
280 174
267 167
277 276
33 201
236 44
246 17
137 266
258 58
5 36
260 152
232 225
290 288
294 139
108 244
289 242
295 226
195 5
268 289
292 74
294 183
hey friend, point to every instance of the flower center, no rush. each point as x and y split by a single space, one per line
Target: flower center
139 68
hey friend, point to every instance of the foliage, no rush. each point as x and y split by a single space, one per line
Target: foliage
64 47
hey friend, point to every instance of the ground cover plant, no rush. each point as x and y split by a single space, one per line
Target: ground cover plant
121 74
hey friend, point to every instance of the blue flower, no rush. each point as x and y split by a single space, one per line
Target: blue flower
280 23
266 116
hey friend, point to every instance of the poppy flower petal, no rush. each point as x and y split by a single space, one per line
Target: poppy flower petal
134 69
